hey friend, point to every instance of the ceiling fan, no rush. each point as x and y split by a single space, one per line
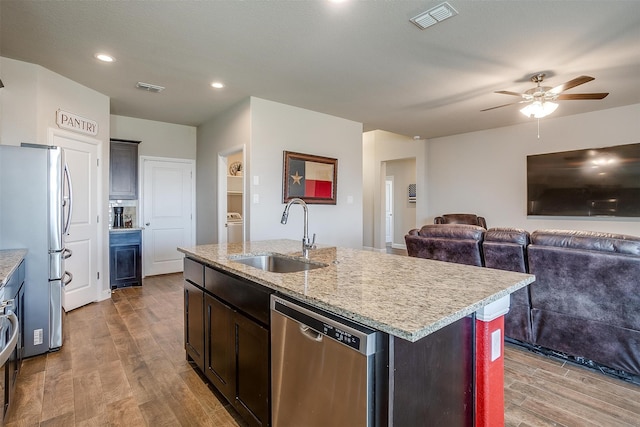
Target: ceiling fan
540 99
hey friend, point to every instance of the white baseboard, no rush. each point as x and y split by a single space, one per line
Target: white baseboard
105 294
399 246
369 248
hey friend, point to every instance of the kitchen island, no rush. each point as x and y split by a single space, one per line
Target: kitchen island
411 301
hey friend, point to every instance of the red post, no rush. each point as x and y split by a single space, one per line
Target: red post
489 378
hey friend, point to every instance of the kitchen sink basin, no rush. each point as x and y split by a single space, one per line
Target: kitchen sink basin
276 263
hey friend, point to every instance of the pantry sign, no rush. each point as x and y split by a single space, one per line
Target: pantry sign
76 123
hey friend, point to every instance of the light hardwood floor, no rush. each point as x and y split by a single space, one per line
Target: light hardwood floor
123 364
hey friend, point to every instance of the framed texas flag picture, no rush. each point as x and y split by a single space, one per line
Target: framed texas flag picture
313 179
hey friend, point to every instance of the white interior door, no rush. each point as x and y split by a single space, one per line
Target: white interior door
168 200
81 155
388 203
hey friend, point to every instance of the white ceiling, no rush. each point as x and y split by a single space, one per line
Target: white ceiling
360 60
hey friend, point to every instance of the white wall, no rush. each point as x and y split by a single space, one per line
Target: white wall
29 101
227 131
485 172
159 139
276 128
380 147
18 102
266 129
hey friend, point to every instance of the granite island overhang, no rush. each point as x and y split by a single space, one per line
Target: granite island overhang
403 296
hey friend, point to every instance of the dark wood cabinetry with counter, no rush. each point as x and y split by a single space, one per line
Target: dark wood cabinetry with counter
228 317
123 169
125 258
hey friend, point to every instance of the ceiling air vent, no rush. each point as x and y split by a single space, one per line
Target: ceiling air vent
149 87
434 15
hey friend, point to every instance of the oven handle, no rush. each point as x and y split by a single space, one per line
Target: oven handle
11 345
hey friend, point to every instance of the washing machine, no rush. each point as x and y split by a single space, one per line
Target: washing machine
234 227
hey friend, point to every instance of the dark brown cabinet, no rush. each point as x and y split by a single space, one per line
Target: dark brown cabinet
194 312
125 259
193 323
237 360
123 169
236 320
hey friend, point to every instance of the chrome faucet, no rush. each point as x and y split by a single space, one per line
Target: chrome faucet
306 245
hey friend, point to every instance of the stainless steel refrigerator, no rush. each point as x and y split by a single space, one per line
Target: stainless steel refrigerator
35 214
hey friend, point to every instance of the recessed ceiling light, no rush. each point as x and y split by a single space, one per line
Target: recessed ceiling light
104 57
217 85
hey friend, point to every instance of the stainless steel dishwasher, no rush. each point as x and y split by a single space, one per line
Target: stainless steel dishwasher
322 368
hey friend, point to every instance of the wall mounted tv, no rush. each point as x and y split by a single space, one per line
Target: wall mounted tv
593 182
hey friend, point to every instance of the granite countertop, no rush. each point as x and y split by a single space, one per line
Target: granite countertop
120 229
403 296
10 259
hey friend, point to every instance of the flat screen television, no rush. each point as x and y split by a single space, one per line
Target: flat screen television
593 182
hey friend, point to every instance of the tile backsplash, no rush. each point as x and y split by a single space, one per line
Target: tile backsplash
129 212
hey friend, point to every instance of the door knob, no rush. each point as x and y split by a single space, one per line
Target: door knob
148 224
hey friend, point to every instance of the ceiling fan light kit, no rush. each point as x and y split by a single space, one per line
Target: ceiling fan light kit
539 109
540 99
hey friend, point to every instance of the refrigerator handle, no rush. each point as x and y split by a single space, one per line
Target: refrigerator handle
67 222
68 278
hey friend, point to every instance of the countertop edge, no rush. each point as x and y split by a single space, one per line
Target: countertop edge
15 257
365 320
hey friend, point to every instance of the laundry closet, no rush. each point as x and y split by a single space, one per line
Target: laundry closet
235 190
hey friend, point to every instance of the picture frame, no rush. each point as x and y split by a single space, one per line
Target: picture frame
311 178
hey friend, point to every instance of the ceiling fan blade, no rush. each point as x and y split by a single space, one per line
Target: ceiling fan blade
500 106
508 92
568 96
571 83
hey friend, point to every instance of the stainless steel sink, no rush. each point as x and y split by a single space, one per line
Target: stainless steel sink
276 263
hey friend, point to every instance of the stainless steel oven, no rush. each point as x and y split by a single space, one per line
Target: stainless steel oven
9 358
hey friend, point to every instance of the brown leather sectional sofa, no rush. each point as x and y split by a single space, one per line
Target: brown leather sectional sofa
585 303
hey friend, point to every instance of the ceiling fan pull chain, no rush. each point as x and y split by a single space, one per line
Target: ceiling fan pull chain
538 128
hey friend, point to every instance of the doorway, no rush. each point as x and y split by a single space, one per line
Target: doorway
232 213
168 200
398 210
388 203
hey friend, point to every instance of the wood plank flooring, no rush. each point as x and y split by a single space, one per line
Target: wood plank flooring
123 364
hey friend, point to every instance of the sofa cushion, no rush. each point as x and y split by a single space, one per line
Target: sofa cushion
453 231
588 240
456 243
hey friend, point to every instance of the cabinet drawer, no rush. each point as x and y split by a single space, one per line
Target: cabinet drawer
194 272
133 237
252 299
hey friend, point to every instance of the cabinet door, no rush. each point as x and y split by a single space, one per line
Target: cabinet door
194 323
252 358
125 265
220 346
123 170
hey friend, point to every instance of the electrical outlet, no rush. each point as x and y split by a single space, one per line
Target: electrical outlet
37 336
496 344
